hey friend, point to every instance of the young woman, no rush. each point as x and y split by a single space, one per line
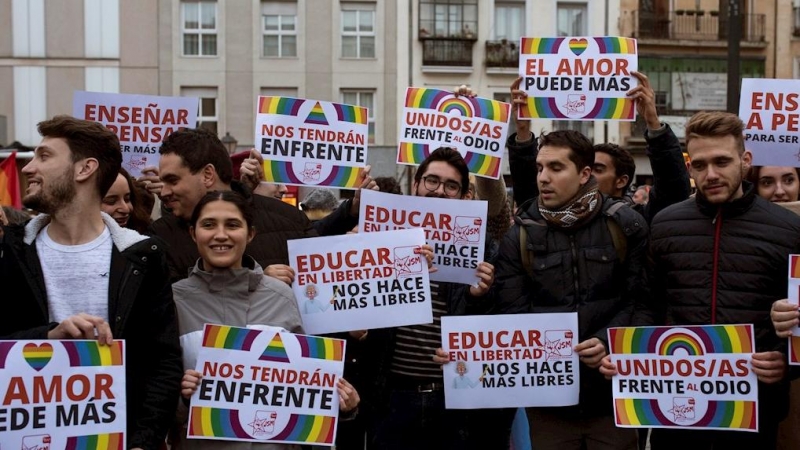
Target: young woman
228 287
123 203
775 183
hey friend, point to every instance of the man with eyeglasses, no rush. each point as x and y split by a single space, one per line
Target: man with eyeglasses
408 392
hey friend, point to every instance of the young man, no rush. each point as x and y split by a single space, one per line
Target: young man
408 395
613 167
194 162
73 273
721 258
577 263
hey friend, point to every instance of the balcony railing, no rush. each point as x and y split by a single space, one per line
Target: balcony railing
447 52
503 53
696 26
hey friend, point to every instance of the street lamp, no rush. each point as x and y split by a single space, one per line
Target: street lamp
230 143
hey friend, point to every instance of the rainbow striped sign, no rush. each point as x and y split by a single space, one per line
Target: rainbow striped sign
476 127
75 388
696 377
275 387
794 298
578 78
312 143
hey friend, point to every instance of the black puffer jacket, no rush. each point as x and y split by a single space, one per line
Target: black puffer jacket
578 271
723 265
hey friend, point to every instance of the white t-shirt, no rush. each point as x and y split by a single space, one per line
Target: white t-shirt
76 276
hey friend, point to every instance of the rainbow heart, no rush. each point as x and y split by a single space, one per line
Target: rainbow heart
37 356
578 46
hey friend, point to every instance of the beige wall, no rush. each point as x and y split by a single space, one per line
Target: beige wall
61 83
138 34
6 45
64 29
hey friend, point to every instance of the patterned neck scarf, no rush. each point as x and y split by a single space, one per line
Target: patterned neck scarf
581 209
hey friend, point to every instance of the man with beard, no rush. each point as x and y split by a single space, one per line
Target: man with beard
73 273
407 401
571 262
721 258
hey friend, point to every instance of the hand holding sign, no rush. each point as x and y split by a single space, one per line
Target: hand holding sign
769 367
82 326
591 352
785 316
191 379
348 396
645 98
519 98
252 170
485 275
607 367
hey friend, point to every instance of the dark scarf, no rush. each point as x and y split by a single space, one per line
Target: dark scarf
580 209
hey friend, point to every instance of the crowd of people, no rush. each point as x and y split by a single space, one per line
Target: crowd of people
94 264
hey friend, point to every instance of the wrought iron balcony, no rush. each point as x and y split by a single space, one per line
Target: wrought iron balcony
447 52
503 53
696 25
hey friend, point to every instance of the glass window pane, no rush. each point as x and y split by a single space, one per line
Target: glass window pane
349 21
191 44
287 23
350 98
271 46
367 102
191 15
349 49
208 15
365 20
271 23
208 107
209 44
210 126
289 46
367 47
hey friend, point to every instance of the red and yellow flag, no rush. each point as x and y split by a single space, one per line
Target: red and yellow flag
9 183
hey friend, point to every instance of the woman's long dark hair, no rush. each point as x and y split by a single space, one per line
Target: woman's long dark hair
139 219
233 197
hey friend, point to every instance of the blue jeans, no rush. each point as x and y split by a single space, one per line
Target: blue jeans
418 421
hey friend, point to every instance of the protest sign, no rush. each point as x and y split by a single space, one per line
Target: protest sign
361 281
794 298
141 122
578 78
696 377
769 110
456 229
266 386
62 395
511 360
310 142
476 127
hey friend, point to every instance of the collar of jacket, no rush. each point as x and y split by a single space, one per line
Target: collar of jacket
729 209
220 279
123 238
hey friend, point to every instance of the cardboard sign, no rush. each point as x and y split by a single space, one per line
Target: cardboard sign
578 78
685 377
794 298
62 395
361 281
511 360
141 122
311 142
266 386
769 110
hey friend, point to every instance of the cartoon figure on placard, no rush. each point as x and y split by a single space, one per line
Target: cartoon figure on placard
136 163
407 261
682 409
462 381
557 344
312 172
467 230
263 423
576 104
312 305
36 442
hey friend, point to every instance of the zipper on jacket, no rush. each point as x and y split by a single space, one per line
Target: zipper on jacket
715 274
574 265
